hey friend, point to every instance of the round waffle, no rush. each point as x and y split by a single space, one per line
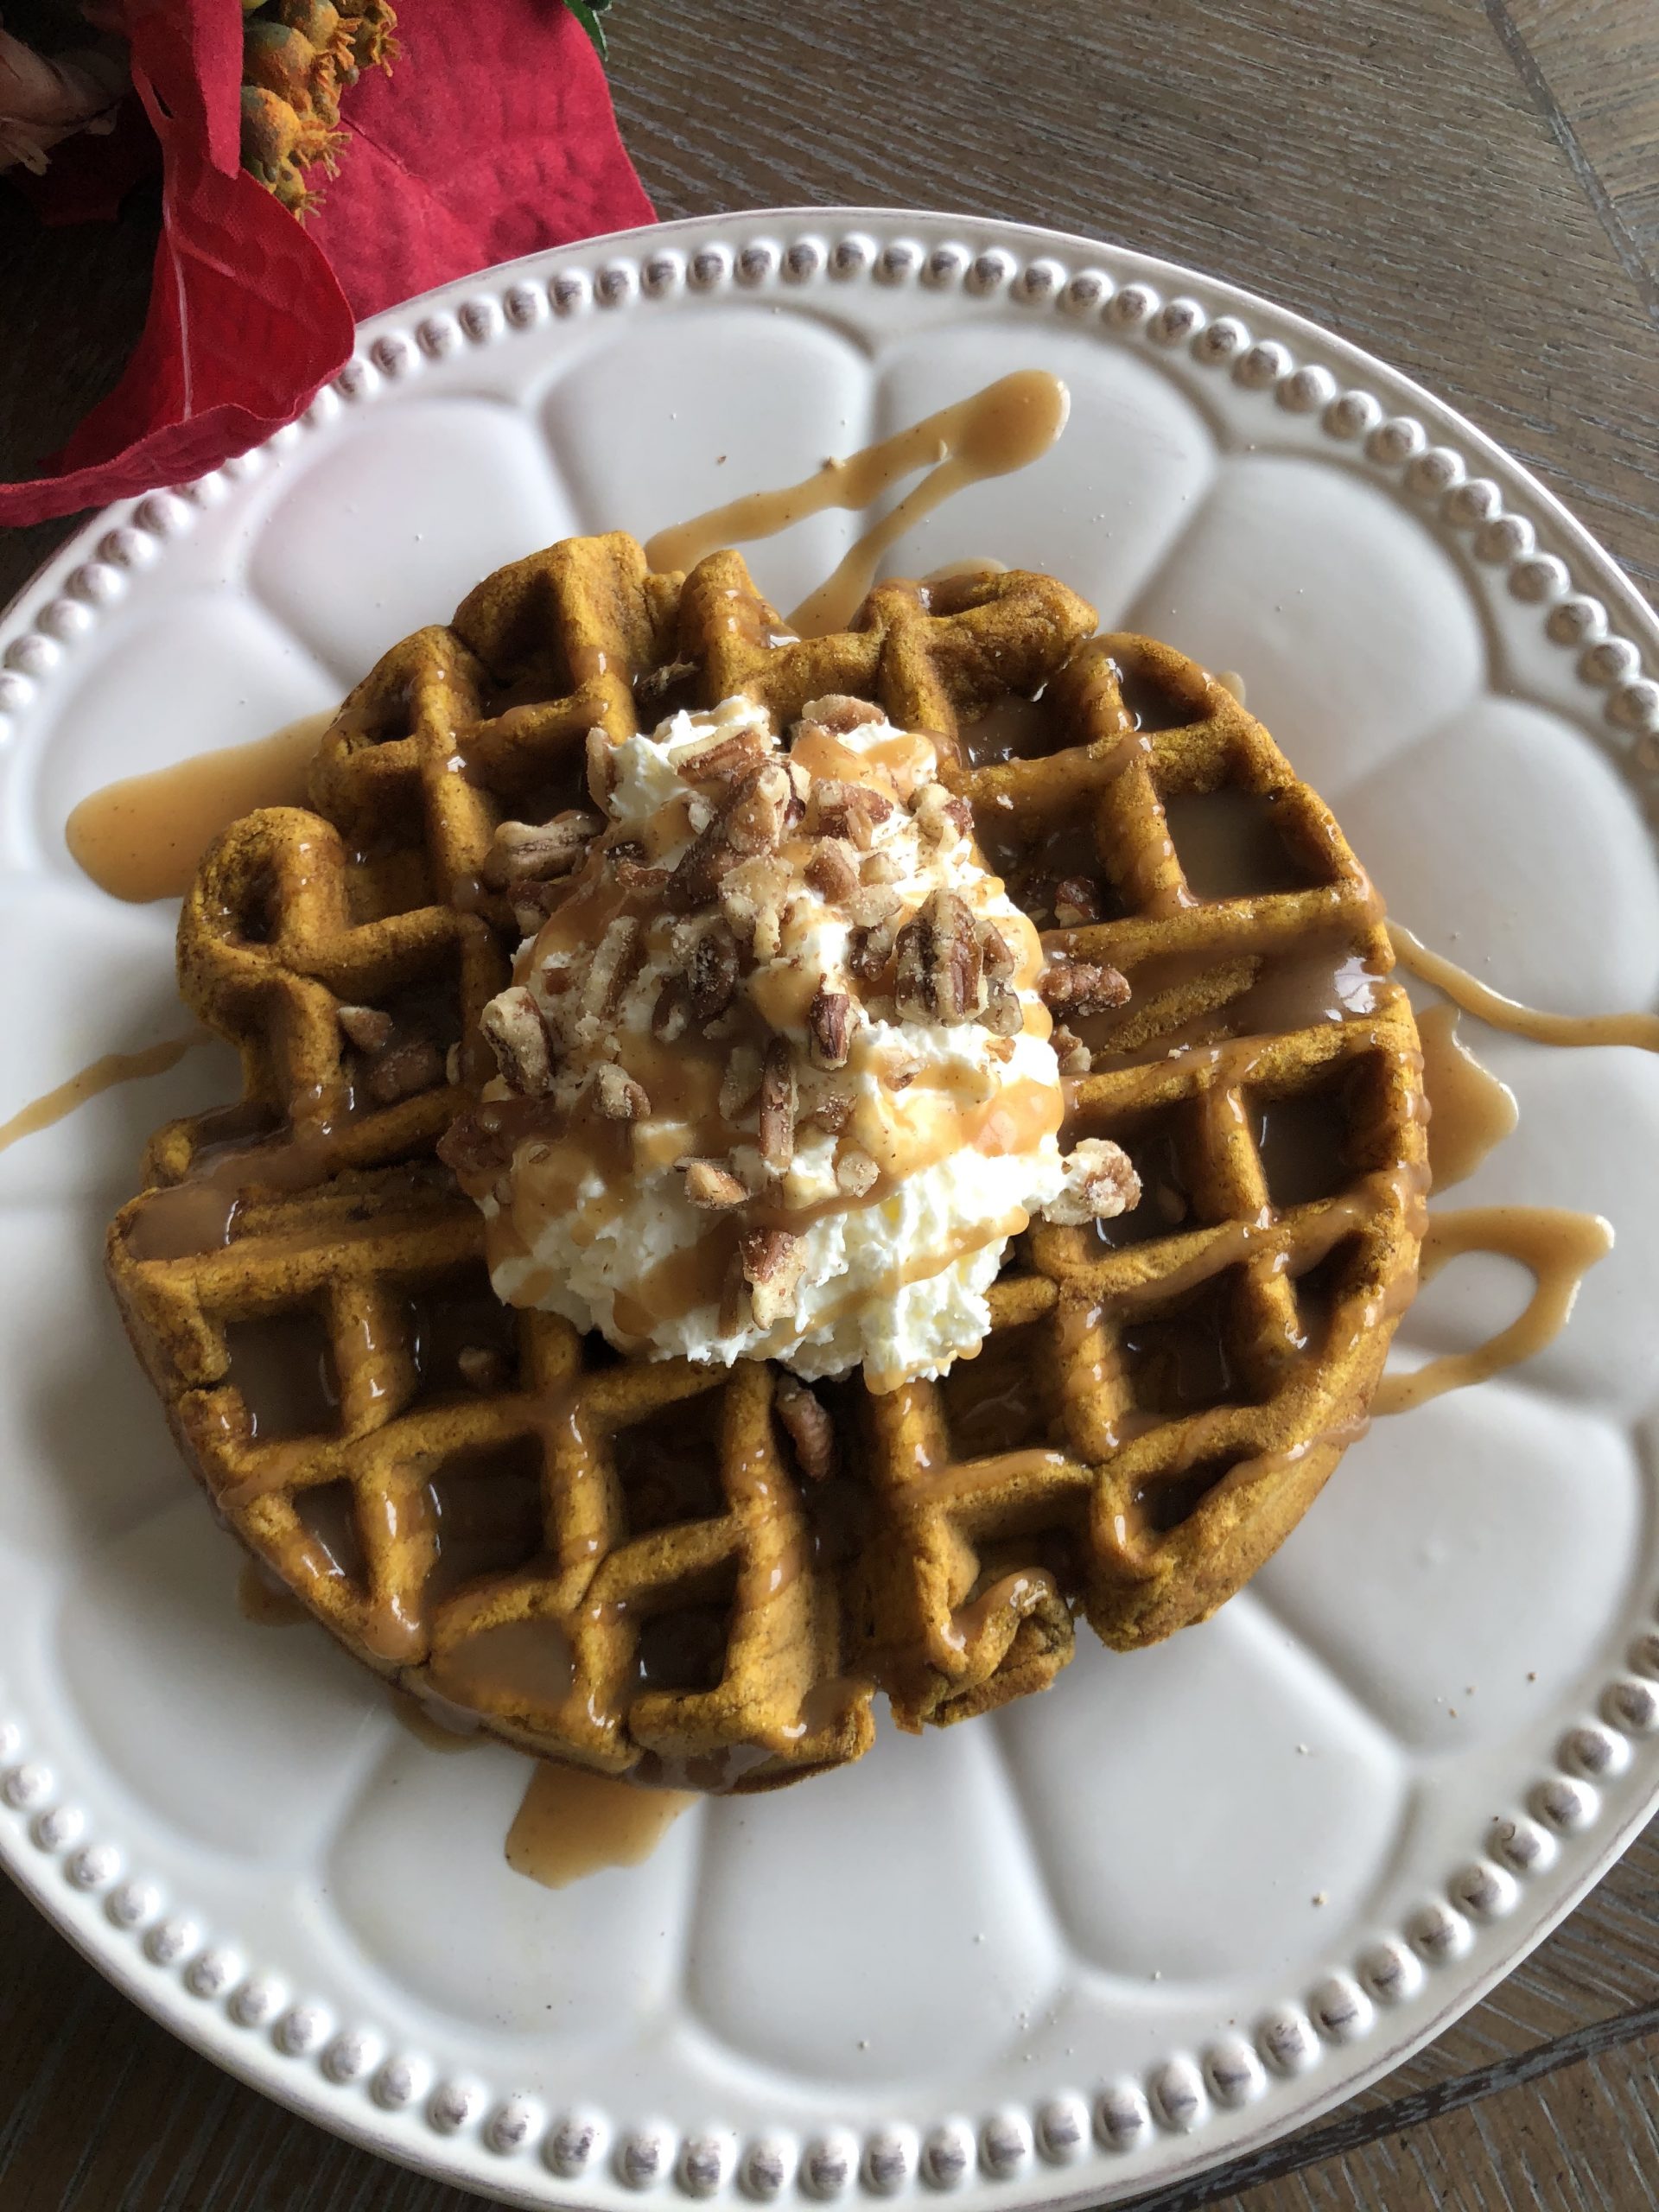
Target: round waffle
661 1570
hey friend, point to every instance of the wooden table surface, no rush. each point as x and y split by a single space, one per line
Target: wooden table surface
1471 188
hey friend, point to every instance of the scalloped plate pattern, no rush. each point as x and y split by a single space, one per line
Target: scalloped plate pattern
1192 1896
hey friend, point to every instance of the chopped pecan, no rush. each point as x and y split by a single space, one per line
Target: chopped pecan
1004 1016
732 753
636 875
533 902
615 962
452 1064
826 1110
777 1105
523 852
1073 1055
849 810
996 952
774 1264
482 1369
652 689
881 868
940 817
616 1095
1076 902
409 1064
833 870
670 1017
1081 986
476 1145
365 1026
899 1069
739 1083
855 1172
711 971
515 1033
1100 1183
870 904
753 896
808 1427
869 950
754 818
830 1027
708 1184
701 868
941 969
839 712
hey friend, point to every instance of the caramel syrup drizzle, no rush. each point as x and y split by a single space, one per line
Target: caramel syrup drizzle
144 837
103 1074
1008 425
1491 1007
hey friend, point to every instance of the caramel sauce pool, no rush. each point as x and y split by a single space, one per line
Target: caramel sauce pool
142 838
1008 425
573 1823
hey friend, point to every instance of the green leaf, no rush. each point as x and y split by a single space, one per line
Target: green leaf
588 13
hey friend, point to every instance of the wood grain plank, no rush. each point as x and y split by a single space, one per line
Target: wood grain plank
1377 164
1598 65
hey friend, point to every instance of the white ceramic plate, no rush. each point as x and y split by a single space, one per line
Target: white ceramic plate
1188 1898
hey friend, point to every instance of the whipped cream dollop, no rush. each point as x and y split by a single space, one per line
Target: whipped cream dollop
777 1077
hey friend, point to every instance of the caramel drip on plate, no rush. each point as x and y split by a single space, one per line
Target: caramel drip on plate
143 837
1470 1110
1487 1005
573 1823
1558 1246
102 1075
1008 425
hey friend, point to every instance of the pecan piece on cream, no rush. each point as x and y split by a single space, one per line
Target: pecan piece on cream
830 1027
833 870
1003 1016
515 1032
615 962
1100 1184
774 1264
839 712
850 811
870 950
996 952
616 1095
808 1427
754 817
940 817
855 1172
739 1083
941 968
525 852
1081 986
777 1106
709 1185
365 1026
732 754
711 971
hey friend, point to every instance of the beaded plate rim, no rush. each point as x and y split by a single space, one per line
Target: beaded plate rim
1573 1820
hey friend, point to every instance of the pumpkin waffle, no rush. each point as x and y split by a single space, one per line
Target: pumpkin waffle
639 1566
1162 1395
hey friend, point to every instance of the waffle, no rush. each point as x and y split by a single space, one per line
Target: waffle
620 1562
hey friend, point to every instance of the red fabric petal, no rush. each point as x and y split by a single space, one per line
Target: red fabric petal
494 137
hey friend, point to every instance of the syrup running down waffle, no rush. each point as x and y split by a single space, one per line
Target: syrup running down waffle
684 1573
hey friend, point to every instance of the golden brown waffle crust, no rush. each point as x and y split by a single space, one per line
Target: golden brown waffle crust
971 1564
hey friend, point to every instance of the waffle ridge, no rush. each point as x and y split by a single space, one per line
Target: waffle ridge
947 1561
